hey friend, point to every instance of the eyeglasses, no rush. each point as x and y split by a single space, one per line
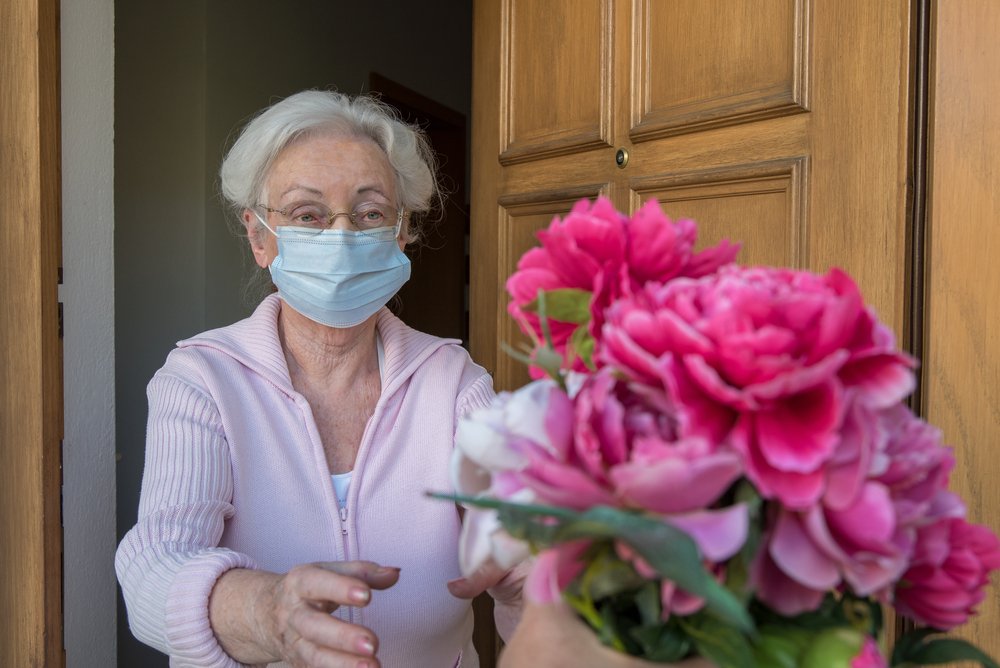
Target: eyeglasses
316 217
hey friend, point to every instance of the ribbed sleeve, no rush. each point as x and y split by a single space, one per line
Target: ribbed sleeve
168 563
478 394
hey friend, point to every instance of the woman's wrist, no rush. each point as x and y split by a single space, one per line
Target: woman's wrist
241 611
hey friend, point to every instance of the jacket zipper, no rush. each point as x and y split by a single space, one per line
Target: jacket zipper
342 511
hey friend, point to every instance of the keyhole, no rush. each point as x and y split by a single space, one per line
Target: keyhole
621 158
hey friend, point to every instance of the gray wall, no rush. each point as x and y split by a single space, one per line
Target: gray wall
186 75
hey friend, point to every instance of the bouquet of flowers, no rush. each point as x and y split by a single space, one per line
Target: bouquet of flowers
716 460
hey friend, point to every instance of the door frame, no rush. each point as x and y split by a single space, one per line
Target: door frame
31 400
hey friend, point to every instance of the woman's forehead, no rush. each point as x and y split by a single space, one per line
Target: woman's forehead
318 163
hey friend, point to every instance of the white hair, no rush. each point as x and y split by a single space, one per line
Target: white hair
245 168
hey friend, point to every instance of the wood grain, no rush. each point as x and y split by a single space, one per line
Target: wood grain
961 366
30 351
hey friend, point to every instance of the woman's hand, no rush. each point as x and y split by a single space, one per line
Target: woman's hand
288 617
550 636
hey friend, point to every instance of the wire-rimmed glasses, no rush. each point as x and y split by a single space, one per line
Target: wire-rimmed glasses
316 216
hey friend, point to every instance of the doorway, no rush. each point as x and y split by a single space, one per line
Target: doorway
186 76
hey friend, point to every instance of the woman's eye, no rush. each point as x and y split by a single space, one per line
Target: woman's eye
372 215
307 216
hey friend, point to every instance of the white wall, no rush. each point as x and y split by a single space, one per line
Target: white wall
88 345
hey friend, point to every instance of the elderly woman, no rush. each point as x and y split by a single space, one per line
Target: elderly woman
282 515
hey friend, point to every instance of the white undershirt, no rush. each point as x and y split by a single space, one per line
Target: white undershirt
342 481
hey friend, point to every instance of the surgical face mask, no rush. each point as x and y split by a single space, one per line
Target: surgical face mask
339 278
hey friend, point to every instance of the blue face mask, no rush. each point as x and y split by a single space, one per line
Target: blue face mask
339 278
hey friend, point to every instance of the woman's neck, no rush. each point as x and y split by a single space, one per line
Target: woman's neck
315 352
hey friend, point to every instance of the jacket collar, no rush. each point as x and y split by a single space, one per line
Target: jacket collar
254 343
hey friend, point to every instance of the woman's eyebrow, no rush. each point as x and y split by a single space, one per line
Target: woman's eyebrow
363 190
372 189
308 189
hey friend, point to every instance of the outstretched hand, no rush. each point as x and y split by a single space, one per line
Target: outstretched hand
302 601
263 617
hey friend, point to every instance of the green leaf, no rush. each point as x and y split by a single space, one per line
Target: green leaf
564 304
581 344
614 631
661 643
780 646
522 357
527 509
670 551
607 575
647 600
908 642
549 360
946 650
725 646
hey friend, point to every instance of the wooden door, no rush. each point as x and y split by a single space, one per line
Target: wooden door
961 356
30 350
783 124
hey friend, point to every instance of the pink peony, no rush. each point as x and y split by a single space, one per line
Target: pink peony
915 467
606 446
553 570
581 251
769 359
887 478
950 571
598 250
536 418
807 554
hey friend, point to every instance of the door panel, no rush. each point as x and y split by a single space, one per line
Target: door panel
763 208
740 60
556 95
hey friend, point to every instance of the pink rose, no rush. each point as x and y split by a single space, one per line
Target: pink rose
769 359
950 571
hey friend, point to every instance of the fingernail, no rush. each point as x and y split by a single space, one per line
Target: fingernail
366 646
386 570
359 595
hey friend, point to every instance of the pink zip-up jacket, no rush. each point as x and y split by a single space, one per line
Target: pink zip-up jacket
236 477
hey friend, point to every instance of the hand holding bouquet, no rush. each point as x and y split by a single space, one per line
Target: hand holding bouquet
715 460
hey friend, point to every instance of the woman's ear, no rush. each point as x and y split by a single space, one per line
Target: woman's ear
255 238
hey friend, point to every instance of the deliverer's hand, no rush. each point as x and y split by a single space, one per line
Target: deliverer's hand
550 636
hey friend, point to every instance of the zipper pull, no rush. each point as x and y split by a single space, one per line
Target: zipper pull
343 520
